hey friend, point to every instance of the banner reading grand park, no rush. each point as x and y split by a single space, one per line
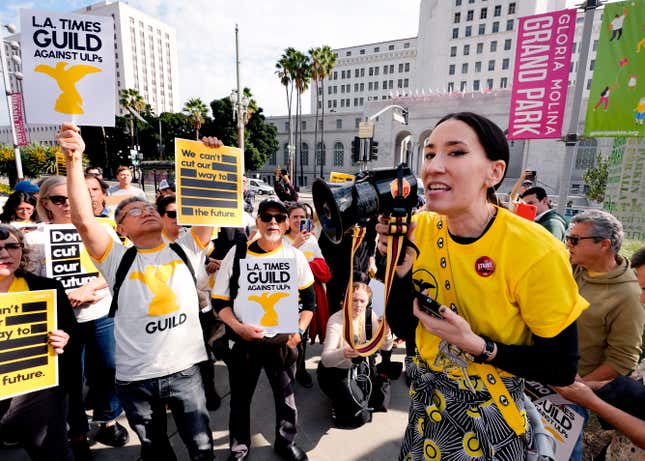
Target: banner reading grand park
68 67
541 75
209 184
617 97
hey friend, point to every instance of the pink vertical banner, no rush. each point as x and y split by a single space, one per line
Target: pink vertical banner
18 119
541 75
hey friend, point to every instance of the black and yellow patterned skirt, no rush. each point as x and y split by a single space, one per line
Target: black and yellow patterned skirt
453 420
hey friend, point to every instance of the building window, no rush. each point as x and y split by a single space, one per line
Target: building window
511 8
475 85
362 72
480 48
370 71
453 51
493 46
376 69
592 64
390 47
483 13
349 53
357 122
498 10
595 45
356 71
369 86
455 32
286 125
361 52
391 68
376 49
457 18
491 64
586 155
385 70
399 83
355 87
509 25
482 29
339 123
588 84
406 83
466 50
469 31
376 85
285 154
390 84
303 124
462 86
342 103
464 68
505 63
451 87
489 83
400 67
457 2
407 67
495 26
478 66
320 154
469 15
362 86
503 82
339 154
451 69
304 153
507 44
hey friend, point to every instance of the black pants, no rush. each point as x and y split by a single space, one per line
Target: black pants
333 382
247 359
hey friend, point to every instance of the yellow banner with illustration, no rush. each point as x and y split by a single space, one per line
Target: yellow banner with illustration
27 363
268 294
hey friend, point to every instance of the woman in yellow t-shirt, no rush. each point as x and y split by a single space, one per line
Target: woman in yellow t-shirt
508 303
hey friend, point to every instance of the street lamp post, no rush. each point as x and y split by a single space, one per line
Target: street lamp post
7 87
239 101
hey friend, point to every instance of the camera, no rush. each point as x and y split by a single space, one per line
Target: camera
379 191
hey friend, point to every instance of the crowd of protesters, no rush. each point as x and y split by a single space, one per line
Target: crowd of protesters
566 311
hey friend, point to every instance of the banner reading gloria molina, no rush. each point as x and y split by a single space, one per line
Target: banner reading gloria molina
617 96
541 75
68 67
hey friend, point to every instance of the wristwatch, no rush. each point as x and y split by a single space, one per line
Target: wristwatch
486 354
301 332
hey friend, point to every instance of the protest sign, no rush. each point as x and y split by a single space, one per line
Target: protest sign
541 75
67 259
268 294
336 176
27 363
68 67
61 166
209 185
617 97
559 419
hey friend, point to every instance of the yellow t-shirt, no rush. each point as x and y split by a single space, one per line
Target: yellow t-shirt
531 289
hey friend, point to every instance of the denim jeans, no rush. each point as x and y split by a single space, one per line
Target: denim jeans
145 406
576 454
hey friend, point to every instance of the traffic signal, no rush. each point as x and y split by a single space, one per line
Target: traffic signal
356 149
373 150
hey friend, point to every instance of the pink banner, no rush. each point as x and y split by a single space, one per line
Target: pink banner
18 120
541 75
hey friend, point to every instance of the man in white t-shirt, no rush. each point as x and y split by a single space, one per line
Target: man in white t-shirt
158 335
616 25
125 187
253 350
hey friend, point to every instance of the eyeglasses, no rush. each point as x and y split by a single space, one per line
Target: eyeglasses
574 239
11 247
267 217
137 211
57 199
171 214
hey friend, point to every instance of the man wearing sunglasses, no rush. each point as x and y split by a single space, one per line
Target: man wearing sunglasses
157 329
252 351
610 330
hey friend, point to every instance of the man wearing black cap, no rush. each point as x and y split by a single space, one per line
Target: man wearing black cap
254 350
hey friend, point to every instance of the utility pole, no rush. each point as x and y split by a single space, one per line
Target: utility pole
571 138
240 115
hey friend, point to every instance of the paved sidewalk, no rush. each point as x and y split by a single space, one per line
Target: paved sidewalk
376 441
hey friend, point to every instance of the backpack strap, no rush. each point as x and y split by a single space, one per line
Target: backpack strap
121 272
240 253
182 254
368 321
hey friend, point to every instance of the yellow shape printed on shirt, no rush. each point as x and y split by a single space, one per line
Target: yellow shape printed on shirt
431 451
69 101
156 278
472 446
268 302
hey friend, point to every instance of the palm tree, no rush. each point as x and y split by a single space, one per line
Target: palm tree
196 109
252 107
130 99
316 68
284 69
302 77
327 60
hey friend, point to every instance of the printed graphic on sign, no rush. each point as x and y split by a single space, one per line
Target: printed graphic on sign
61 166
541 75
617 95
209 185
560 420
68 67
164 300
27 363
268 294
336 176
67 260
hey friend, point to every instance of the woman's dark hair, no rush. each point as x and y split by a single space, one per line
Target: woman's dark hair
490 136
9 210
295 206
163 202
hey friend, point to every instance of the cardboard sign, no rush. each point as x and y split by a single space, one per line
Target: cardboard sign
336 176
27 363
68 67
268 294
209 185
560 420
67 259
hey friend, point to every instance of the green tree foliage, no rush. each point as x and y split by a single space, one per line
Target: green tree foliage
36 160
197 110
323 61
595 179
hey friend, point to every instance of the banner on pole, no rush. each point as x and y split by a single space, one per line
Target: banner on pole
541 75
209 185
617 96
27 363
68 67
18 119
